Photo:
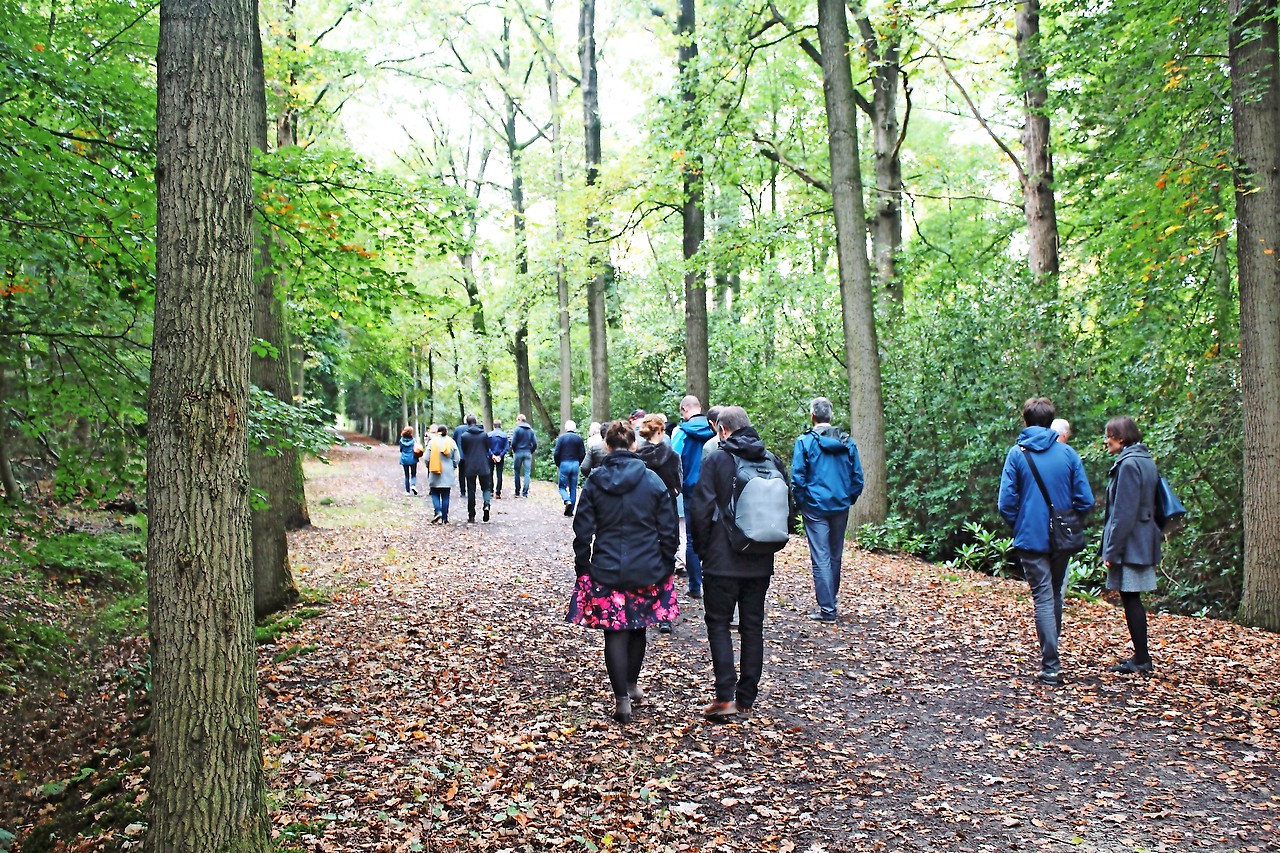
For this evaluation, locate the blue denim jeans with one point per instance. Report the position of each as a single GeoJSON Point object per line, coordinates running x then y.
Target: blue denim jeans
{"type": "Point", "coordinates": [1046, 574]}
{"type": "Point", "coordinates": [521, 468]}
{"type": "Point", "coordinates": [692, 562]}
{"type": "Point", "coordinates": [825, 532]}
{"type": "Point", "coordinates": [440, 502]}
{"type": "Point", "coordinates": [410, 476]}
{"type": "Point", "coordinates": [720, 596]}
{"type": "Point", "coordinates": [568, 481]}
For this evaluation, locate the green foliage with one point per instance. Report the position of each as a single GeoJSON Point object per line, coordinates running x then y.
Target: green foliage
{"type": "Point", "coordinates": [986, 552]}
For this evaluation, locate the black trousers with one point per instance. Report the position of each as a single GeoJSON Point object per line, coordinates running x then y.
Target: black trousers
{"type": "Point", "coordinates": [720, 595]}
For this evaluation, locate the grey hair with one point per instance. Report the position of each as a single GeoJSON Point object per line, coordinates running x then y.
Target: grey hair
{"type": "Point", "coordinates": [821, 409]}
{"type": "Point", "coordinates": [733, 418]}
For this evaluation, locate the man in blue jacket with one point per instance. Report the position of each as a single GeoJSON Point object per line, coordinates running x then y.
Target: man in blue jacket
{"type": "Point", "coordinates": [1023, 506]}
{"type": "Point", "coordinates": [499, 443]}
{"type": "Point", "coordinates": [687, 441]}
{"type": "Point", "coordinates": [524, 441]}
{"type": "Point", "coordinates": [826, 480]}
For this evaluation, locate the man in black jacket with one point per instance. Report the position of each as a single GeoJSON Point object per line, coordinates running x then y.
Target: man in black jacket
{"type": "Point", "coordinates": [730, 579]}
{"type": "Point", "coordinates": [474, 442]}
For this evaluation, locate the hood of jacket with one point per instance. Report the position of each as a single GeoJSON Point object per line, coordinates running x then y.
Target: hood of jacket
{"type": "Point", "coordinates": [657, 454]}
{"type": "Point", "coordinates": [474, 428]}
{"type": "Point", "coordinates": [1037, 438]}
{"type": "Point", "coordinates": [1133, 451]}
{"type": "Point", "coordinates": [619, 473]}
{"type": "Point", "coordinates": [698, 428]}
{"type": "Point", "coordinates": [746, 443]}
{"type": "Point", "coordinates": [831, 439]}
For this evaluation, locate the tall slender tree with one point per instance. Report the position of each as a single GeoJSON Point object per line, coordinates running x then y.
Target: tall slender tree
{"type": "Point", "coordinates": [1255, 101]}
{"type": "Point", "coordinates": [596, 320]}
{"type": "Point", "coordinates": [693, 218]}
{"type": "Point", "coordinates": [861, 350]}
{"type": "Point", "coordinates": [207, 789]}
{"type": "Point", "coordinates": [1037, 182]}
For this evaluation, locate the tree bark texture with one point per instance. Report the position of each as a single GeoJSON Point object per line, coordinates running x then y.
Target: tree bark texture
{"type": "Point", "coordinates": [596, 315]}
{"type": "Point", "coordinates": [1255, 102]}
{"type": "Point", "coordinates": [565, 374]}
{"type": "Point", "coordinates": [206, 786]}
{"type": "Point", "coordinates": [472, 285]}
{"type": "Point", "coordinates": [1037, 188]}
{"type": "Point", "coordinates": [269, 473]}
{"type": "Point", "coordinates": [12, 494]}
{"type": "Point", "coordinates": [862, 355]}
{"type": "Point", "coordinates": [884, 56]}
{"type": "Point", "coordinates": [696, 367]}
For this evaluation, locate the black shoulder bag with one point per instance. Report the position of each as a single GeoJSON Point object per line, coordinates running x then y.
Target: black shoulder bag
{"type": "Point", "coordinates": [1066, 527]}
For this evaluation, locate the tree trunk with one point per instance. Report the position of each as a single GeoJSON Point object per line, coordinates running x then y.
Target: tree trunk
{"type": "Point", "coordinates": [519, 228]}
{"type": "Point", "coordinates": [1037, 189]}
{"type": "Point", "coordinates": [269, 472]}
{"type": "Point", "coordinates": [884, 57]}
{"type": "Point", "coordinates": [862, 355]}
{"type": "Point", "coordinates": [596, 316]}
{"type": "Point", "coordinates": [12, 494]}
{"type": "Point", "coordinates": [206, 787]}
{"type": "Point", "coordinates": [696, 369]}
{"type": "Point", "coordinates": [1255, 102]}
{"type": "Point", "coordinates": [472, 285]}
{"type": "Point", "coordinates": [562, 277]}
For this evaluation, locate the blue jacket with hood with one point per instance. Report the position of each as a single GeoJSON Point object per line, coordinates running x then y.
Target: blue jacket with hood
{"type": "Point", "coordinates": [407, 443]}
{"type": "Point", "coordinates": [1021, 503]}
{"type": "Point", "coordinates": [826, 474]}
{"type": "Point", "coordinates": [687, 441]}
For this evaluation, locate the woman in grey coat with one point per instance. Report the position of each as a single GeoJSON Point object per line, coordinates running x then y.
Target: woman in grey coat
{"type": "Point", "coordinates": [442, 460]}
{"type": "Point", "coordinates": [1130, 535]}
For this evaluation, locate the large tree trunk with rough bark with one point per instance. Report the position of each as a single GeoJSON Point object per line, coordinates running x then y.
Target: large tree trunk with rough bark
{"type": "Point", "coordinates": [565, 372]}
{"type": "Point", "coordinates": [270, 472]}
{"type": "Point", "coordinates": [596, 319]}
{"type": "Point", "coordinates": [206, 785]}
{"type": "Point", "coordinates": [1255, 102]}
{"type": "Point", "coordinates": [12, 494]}
{"type": "Point", "coordinates": [862, 355]}
{"type": "Point", "coordinates": [1037, 188]}
{"type": "Point", "coordinates": [696, 367]}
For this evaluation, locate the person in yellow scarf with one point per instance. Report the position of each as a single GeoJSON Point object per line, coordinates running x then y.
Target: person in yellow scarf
{"type": "Point", "coordinates": [443, 457]}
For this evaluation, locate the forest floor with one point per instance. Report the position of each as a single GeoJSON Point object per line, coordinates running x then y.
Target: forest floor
{"type": "Point", "coordinates": [437, 700]}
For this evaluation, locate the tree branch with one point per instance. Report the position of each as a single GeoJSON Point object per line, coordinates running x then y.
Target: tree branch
{"type": "Point", "coordinates": [1013, 158]}
{"type": "Point", "coordinates": [771, 151]}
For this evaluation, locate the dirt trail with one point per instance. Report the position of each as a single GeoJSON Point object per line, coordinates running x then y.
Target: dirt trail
{"type": "Point", "coordinates": [442, 703]}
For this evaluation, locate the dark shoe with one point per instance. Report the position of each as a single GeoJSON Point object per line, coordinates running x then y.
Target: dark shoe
{"type": "Point", "coordinates": [568, 509]}
{"type": "Point", "coordinates": [819, 616]}
{"type": "Point", "coordinates": [720, 710]}
{"type": "Point", "coordinates": [497, 497]}
{"type": "Point", "coordinates": [680, 572]}
{"type": "Point", "coordinates": [471, 519]}
{"type": "Point", "coordinates": [694, 592]}
{"type": "Point", "coordinates": [622, 710]}
{"type": "Point", "coordinates": [743, 710]}
{"type": "Point", "coordinates": [1053, 679]}
{"type": "Point", "coordinates": [1130, 666]}
{"type": "Point", "coordinates": [635, 694]}
{"type": "Point", "coordinates": [486, 512]}
{"type": "Point", "coordinates": [664, 627]}
{"type": "Point", "coordinates": [438, 518]}
{"type": "Point", "coordinates": [413, 489]}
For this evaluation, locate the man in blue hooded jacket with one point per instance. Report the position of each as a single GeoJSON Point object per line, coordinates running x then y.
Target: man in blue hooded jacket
{"type": "Point", "coordinates": [1023, 506]}
{"type": "Point", "coordinates": [826, 480]}
{"type": "Point", "coordinates": [687, 441]}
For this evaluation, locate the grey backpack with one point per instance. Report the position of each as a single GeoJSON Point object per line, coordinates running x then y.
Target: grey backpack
{"type": "Point", "coordinates": [759, 507]}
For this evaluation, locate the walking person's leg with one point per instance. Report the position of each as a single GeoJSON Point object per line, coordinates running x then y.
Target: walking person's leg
{"type": "Point", "coordinates": [635, 662]}
{"type": "Point", "coordinates": [839, 524]}
{"type": "Point", "coordinates": [617, 658]}
{"type": "Point", "coordinates": [405, 468]}
{"type": "Point", "coordinates": [486, 490]}
{"type": "Point", "coordinates": [413, 478]}
{"type": "Point", "coordinates": [692, 564]}
{"type": "Point", "coordinates": [445, 497]}
{"type": "Point", "coordinates": [573, 483]}
{"type": "Point", "coordinates": [437, 505]}
{"type": "Point", "coordinates": [1039, 574]}
{"type": "Point", "coordinates": [720, 594]}
{"type": "Point", "coordinates": [817, 529]}
{"type": "Point", "coordinates": [1135, 616]}
{"type": "Point", "coordinates": [471, 497]}
{"type": "Point", "coordinates": [751, 599]}
{"type": "Point", "coordinates": [496, 473]}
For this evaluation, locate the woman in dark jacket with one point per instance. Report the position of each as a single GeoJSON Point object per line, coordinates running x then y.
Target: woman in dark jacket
{"type": "Point", "coordinates": [657, 455]}
{"type": "Point", "coordinates": [624, 546]}
{"type": "Point", "coordinates": [1130, 535]}
{"type": "Point", "coordinates": [409, 455]}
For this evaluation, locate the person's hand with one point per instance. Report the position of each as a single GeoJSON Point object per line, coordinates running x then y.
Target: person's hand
{"type": "Point", "coordinates": [1106, 564]}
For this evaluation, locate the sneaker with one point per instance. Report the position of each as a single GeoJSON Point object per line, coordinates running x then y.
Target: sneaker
{"type": "Point", "coordinates": [694, 592]}
{"type": "Point", "coordinates": [568, 509]}
{"type": "Point", "coordinates": [1053, 679]}
{"type": "Point", "coordinates": [819, 616]}
{"type": "Point", "coordinates": [486, 512]}
{"type": "Point", "coordinates": [1130, 666]}
{"type": "Point", "coordinates": [720, 710]}
{"type": "Point", "coordinates": [743, 709]}
{"type": "Point", "coordinates": [413, 489]}
{"type": "Point", "coordinates": [438, 518]}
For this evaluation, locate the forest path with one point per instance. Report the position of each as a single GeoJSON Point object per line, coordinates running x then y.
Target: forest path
{"type": "Point", "coordinates": [441, 702]}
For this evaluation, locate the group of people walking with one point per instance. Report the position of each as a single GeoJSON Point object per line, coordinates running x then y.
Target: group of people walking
{"type": "Point", "coordinates": [740, 502]}
{"type": "Point", "coordinates": [472, 459]}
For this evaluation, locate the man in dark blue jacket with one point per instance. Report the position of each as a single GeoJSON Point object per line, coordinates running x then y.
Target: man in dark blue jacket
{"type": "Point", "coordinates": [524, 441]}
{"type": "Point", "coordinates": [687, 440]}
{"type": "Point", "coordinates": [826, 479]}
{"type": "Point", "coordinates": [1023, 506]}
{"type": "Point", "coordinates": [474, 443]}
{"type": "Point", "coordinates": [498, 444]}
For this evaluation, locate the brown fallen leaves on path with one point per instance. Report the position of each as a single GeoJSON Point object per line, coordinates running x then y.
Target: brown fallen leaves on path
{"type": "Point", "coordinates": [442, 703]}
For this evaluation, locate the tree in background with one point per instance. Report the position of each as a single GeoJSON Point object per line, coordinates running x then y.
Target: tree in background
{"type": "Point", "coordinates": [1255, 101]}
{"type": "Point", "coordinates": [207, 787]}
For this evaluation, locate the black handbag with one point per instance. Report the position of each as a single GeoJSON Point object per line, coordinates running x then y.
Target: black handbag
{"type": "Point", "coordinates": [1066, 527]}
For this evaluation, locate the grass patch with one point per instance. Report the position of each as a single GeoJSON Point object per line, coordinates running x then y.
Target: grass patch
{"type": "Point", "coordinates": [277, 625]}
{"type": "Point", "coordinates": [292, 652]}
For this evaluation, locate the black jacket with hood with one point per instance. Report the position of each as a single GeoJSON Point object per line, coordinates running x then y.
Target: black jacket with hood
{"type": "Point", "coordinates": [473, 441]}
{"type": "Point", "coordinates": [714, 489]}
{"type": "Point", "coordinates": [625, 532]}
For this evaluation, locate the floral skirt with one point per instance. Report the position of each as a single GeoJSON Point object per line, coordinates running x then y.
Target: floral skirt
{"type": "Point", "coordinates": [596, 606]}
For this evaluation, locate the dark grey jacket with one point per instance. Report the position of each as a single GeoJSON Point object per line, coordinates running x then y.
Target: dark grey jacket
{"type": "Point", "coordinates": [1130, 535]}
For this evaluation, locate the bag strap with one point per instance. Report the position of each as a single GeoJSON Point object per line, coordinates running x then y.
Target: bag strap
{"type": "Point", "coordinates": [1034, 473]}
